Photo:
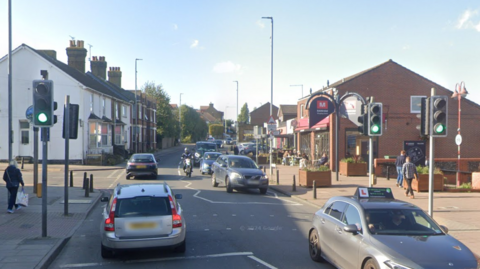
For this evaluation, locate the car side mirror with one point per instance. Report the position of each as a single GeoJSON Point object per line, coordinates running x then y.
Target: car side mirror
{"type": "Point", "coordinates": [104, 199]}
{"type": "Point", "coordinates": [351, 228]}
{"type": "Point", "coordinates": [444, 228]}
{"type": "Point", "coordinates": [260, 167]}
{"type": "Point", "coordinates": [178, 196]}
{"type": "Point", "coordinates": [223, 165]}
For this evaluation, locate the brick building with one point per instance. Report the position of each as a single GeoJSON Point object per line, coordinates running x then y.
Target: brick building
{"type": "Point", "coordinates": [400, 90]}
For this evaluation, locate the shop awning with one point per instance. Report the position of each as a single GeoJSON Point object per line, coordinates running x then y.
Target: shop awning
{"type": "Point", "coordinates": [302, 125]}
{"type": "Point", "coordinates": [284, 136]}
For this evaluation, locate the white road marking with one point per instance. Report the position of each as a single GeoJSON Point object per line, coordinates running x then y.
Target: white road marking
{"type": "Point", "coordinates": [233, 215]}
{"type": "Point", "coordinates": [111, 175]}
{"type": "Point", "coordinates": [214, 215]}
{"type": "Point", "coordinates": [262, 262]}
{"type": "Point", "coordinates": [114, 183]}
{"type": "Point", "coordinates": [206, 230]}
{"type": "Point", "coordinates": [196, 195]}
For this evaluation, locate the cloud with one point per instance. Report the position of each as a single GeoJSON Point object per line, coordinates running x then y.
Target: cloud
{"type": "Point", "coordinates": [466, 20]}
{"type": "Point", "coordinates": [226, 67]}
{"type": "Point", "coordinates": [406, 47]}
{"type": "Point", "coordinates": [194, 44]}
{"type": "Point", "coordinates": [260, 24]}
{"type": "Point", "coordinates": [175, 27]}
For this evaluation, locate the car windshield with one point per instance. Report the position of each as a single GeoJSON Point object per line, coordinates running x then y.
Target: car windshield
{"type": "Point", "coordinates": [206, 147]}
{"type": "Point", "coordinates": [412, 222]}
{"type": "Point", "coordinates": [241, 163]}
{"type": "Point", "coordinates": [211, 156]}
{"type": "Point", "coordinates": [143, 206]}
{"type": "Point", "coordinates": [141, 159]}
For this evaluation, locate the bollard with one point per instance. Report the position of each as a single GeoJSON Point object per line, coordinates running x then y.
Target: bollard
{"type": "Point", "coordinates": [91, 182]}
{"type": "Point", "coordinates": [84, 179]}
{"type": "Point", "coordinates": [264, 169]}
{"type": "Point", "coordinates": [71, 178]}
{"type": "Point", "coordinates": [278, 179]}
{"type": "Point", "coordinates": [388, 172]}
{"type": "Point", "coordinates": [314, 190]}
{"type": "Point", "coordinates": [23, 161]}
{"type": "Point", "coordinates": [86, 187]}
{"type": "Point", "coordinates": [294, 186]}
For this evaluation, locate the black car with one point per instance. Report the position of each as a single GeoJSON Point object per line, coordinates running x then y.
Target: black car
{"type": "Point", "coordinates": [219, 143]}
{"type": "Point", "coordinates": [202, 147]}
{"type": "Point", "coordinates": [238, 172]}
{"type": "Point", "coordinates": [142, 164]}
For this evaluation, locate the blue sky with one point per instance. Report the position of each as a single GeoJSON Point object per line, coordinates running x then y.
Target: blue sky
{"type": "Point", "coordinates": [199, 48]}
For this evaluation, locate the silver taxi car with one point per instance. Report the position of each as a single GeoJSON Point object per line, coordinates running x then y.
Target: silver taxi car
{"type": "Point", "coordinates": [142, 216]}
{"type": "Point", "coordinates": [372, 230]}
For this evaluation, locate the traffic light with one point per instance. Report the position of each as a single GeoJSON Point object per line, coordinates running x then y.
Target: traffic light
{"type": "Point", "coordinates": [362, 119]}
{"type": "Point", "coordinates": [375, 119]}
{"type": "Point", "coordinates": [424, 116]}
{"type": "Point", "coordinates": [43, 106]}
{"type": "Point", "coordinates": [438, 115]}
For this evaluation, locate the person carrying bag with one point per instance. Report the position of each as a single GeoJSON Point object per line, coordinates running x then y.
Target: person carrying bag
{"type": "Point", "coordinates": [13, 177]}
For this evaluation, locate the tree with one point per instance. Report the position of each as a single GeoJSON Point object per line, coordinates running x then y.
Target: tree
{"type": "Point", "coordinates": [244, 114]}
{"type": "Point", "coordinates": [194, 128]}
{"type": "Point", "coordinates": [216, 130]}
{"type": "Point", "coordinates": [167, 124]}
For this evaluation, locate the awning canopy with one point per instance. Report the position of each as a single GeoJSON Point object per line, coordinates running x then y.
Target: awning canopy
{"type": "Point", "coordinates": [302, 125]}
{"type": "Point", "coordinates": [284, 136]}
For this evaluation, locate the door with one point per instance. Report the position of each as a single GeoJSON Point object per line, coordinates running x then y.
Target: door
{"type": "Point", "coordinates": [329, 229]}
{"type": "Point", "coordinates": [348, 244]}
{"type": "Point", "coordinates": [25, 147]}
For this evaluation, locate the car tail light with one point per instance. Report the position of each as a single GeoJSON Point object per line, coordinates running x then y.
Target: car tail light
{"type": "Point", "coordinates": [176, 218]}
{"type": "Point", "coordinates": [110, 222]}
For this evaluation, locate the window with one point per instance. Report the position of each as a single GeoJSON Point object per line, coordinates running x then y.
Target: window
{"type": "Point", "coordinates": [301, 111]}
{"type": "Point", "coordinates": [100, 135]}
{"type": "Point", "coordinates": [352, 216]}
{"type": "Point", "coordinates": [118, 135]}
{"type": "Point", "coordinates": [415, 104]}
{"type": "Point", "coordinates": [91, 102]}
{"type": "Point", "coordinates": [337, 210]}
{"type": "Point", "coordinates": [117, 111]}
{"type": "Point", "coordinates": [25, 135]}
{"type": "Point", "coordinates": [103, 106]}
{"type": "Point", "coordinates": [124, 111]}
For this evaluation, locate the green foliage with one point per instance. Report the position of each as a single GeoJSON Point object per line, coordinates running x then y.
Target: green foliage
{"type": "Point", "coordinates": [321, 168]}
{"type": "Point", "coordinates": [192, 125]}
{"type": "Point", "coordinates": [466, 186]}
{"type": "Point", "coordinates": [167, 123]}
{"type": "Point", "coordinates": [216, 130]}
{"type": "Point", "coordinates": [244, 114]}
{"type": "Point", "coordinates": [355, 159]}
{"type": "Point", "coordinates": [423, 170]}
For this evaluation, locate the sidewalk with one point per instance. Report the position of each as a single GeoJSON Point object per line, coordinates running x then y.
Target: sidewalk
{"type": "Point", "coordinates": [458, 211]}
{"type": "Point", "coordinates": [21, 242]}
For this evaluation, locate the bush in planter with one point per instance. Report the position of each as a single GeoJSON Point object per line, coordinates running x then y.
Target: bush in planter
{"type": "Point", "coordinates": [321, 168]}
{"type": "Point", "coordinates": [421, 183]}
{"type": "Point", "coordinates": [353, 166]}
{"type": "Point", "coordinates": [355, 159]}
{"type": "Point", "coordinates": [321, 174]}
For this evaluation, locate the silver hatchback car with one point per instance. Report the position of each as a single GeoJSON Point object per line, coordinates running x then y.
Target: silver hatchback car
{"type": "Point", "coordinates": [142, 216]}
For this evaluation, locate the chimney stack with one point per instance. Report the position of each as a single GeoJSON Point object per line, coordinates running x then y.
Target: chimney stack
{"type": "Point", "coordinates": [99, 67]}
{"type": "Point", "coordinates": [76, 55]}
{"type": "Point", "coordinates": [115, 76]}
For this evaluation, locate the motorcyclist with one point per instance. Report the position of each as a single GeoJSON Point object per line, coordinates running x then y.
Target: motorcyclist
{"type": "Point", "coordinates": [186, 154]}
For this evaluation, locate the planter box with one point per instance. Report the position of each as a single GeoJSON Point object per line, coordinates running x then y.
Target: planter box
{"type": "Point", "coordinates": [261, 160]}
{"type": "Point", "coordinates": [422, 183]}
{"type": "Point", "coordinates": [322, 178]}
{"type": "Point", "coordinates": [353, 169]}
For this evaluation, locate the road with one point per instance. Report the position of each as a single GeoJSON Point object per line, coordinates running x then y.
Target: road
{"type": "Point", "coordinates": [238, 230]}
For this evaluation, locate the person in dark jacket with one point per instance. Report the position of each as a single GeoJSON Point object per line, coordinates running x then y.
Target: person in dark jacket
{"type": "Point", "coordinates": [399, 164]}
{"type": "Point", "coordinates": [235, 150]}
{"type": "Point", "coordinates": [13, 177]}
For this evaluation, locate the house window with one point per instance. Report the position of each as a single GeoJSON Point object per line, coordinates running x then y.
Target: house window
{"type": "Point", "coordinates": [154, 116]}
{"type": "Point", "coordinates": [117, 111]}
{"type": "Point", "coordinates": [92, 141]}
{"type": "Point", "coordinates": [301, 111]}
{"type": "Point", "coordinates": [99, 135]}
{"type": "Point", "coordinates": [91, 102]}
{"type": "Point", "coordinates": [24, 132]}
{"type": "Point", "coordinates": [103, 106]}
{"type": "Point", "coordinates": [416, 104]}
{"type": "Point", "coordinates": [124, 111]}
{"type": "Point", "coordinates": [118, 135]}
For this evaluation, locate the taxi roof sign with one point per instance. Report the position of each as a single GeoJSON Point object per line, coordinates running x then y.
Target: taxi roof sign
{"type": "Point", "coordinates": [363, 192]}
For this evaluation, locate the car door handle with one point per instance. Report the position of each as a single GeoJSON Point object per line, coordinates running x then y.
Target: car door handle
{"type": "Point", "coordinates": [339, 231]}
{"type": "Point", "coordinates": [322, 220]}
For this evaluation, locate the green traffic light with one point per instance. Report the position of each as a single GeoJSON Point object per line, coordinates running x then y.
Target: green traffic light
{"type": "Point", "coordinates": [374, 129]}
{"type": "Point", "coordinates": [439, 128]}
{"type": "Point", "coordinates": [42, 117]}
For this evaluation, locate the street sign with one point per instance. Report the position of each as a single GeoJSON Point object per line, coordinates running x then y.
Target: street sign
{"type": "Point", "coordinates": [271, 127]}
{"type": "Point", "coordinates": [29, 113]}
{"type": "Point", "coordinates": [276, 132]}
{"type": "Point", "coordinates": [458, 139]}
{"type": "Point", "coordinates": [271, 120]}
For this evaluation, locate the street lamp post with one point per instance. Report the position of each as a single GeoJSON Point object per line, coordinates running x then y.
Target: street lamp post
{"type": "Point", "coordinates": [135, 145]}
{"type": "Point", "coordinates": [298, 85]}
{"type": "Point", "coordinates": [180, 116]}
{"type": "Point", "coordinates": [271, 90]}
{"type": "Point", "coordinates": [236, 118]}
{"type": "Point", "coordinates": [460, 91]}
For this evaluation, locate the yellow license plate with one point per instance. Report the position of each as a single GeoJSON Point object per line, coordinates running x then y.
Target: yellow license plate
{"type": "Point", "coordinates": [142, 225]}
{"type": "Point", "coordinates": [141, 166]}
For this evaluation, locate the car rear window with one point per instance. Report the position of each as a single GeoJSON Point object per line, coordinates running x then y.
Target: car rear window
{"type": "Point", "coordinates": [141, 159]}
{"type": "Point", "coordinates": [143, 206]}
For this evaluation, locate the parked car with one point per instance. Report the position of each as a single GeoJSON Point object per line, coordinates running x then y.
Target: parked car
{"type": "Point", "coordinates": [241, 147]}
{"type": "Point", "coordinates": [210, 139]}
{"type": "Point", "coordinates": [142, 216]}
{"type": "Point", "coordinates": [207, 160]}
{"type": "Point", "coordinates": [228, 141]}
{"type": "Point", "coordinates": [252, 148]}
{"type": "Point", "coordinates": [371, 229]}
{"type": "Point", "coordinates": [219, 143]}
{"type": "Point", "coordinates": [238, 172]}
{"type": "Point", "coordinates": [142, 164]}
{"type": "Point", "coordinates": [200, 149]}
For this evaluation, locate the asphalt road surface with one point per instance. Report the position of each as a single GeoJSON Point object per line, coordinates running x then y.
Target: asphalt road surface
{"type": "Point", "coordinates": [234, 230]}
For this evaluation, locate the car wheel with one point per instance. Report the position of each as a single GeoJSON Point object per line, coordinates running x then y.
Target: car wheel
{"type": "Point", "coordinates": [229, 186]}
{"type": "Point", "coordinates": [106, 253]}
{"type": "Point", "coordinates": [314, 246]}
{"type": "Point", "coordinates": [214, 181]}
{"type": "Point", "coordinates": [127, 177]}
{"type": "Point", "coordinates": [370, 264]}
{"type": "Point", "coordinates": [263, 190]}
{"type": "Point", "coordinates": [182, 247]}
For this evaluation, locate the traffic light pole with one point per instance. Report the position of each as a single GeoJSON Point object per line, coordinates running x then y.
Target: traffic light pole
{"type": "Point", "coordinates": [66, 119]}
{"type": "Point", "coordinates": [44, 179]}
{"type": "Point", "coordinates": [431, 165]}
{"type": "Point", "coordinates": [35, 159]}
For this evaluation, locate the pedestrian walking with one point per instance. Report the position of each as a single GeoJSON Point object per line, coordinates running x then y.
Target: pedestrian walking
{"type": "Point", "coordinates": [13, 177]}
{"type": "Point", "coordinates": [235, 150]}
{"type": "Point", "coordinates": [409, 172]}
{"type": "Point", "coordinates": [399, 164]}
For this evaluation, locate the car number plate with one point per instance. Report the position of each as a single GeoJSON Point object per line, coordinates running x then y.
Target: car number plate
{"type": "Point", "coordinates": [253, 182]}
{"type": "Point", "coordinates": [141, 166]}
{"type": "Point", "coordinates": [142, 225]}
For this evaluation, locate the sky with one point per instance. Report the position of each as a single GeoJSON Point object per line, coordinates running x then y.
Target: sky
{"type": "Point", "coordinates": [199, 48]}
